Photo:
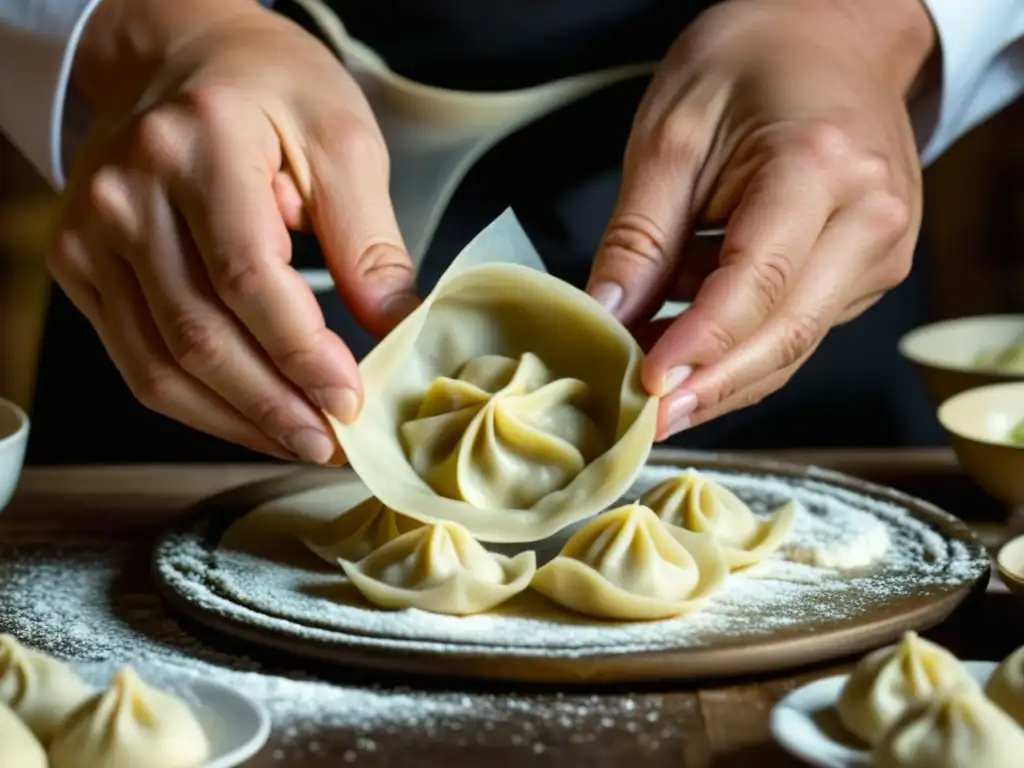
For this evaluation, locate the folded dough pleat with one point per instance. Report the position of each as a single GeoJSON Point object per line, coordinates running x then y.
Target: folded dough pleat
{"type": "Point", "coordinates": [625, 565]}
{"type": "Point", "coordinates": [692, 502]}
{"type": "Point", "coordinates": [506, 447]}
{"type": "Point", "coordinates": [1006, 686]}
{"type": "Point", "coordinates": [439, 568]}
{"type": "Point", "coordinates": [358, 532]}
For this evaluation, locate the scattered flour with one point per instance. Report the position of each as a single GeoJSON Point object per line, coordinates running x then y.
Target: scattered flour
{"type": "Point", "coordinates": [846, 553]}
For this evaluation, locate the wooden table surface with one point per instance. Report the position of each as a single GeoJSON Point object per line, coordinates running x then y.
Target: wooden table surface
{"type": "Point", "coordinates": [720, 724]}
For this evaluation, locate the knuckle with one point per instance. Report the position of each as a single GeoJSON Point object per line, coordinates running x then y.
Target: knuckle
{"type": "Point", "coordinates": [154, 385]}
{"type": "Point", "coordinates": [676, 139]}
{"type": "Point", "coordinates": [158, 136]}
{"type": "Point", "coordinates": [897, 269]}
{"type": "Point", "coordinates": [105, 194]}
{"type": "Point", "coordinates": [268, 414]}
{"type": "Point", "coordinates": [383, 261]}
{"type": "Point", "coordinates": [721, 338]}
{"type": "Point", "coordinates": [238, 278]}
{"type": "Point", "coordinates": [210, 104]}
{"type": "Point", "coordinates": [887, 214]}
{"type": "Point", "coordinates": [873, 170]}
{"type": "Point", "coordinates": [635, 239]}
{"type": "Point", "coordinates": [63, 259]}
{"type": "Point", "coordinates": [350, 140]}
{"type": "Point", "coordinates": [770, 274]}
{"type": "Point", "coordinates": [195, 345]}
{"type": "Point", "coordinates": [826, 142]}
{"type": "Point", "coordinates": [800, 334]}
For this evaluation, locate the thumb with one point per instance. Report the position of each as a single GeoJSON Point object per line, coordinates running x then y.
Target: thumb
{"type": "Point", "coordinates": [354, 219]}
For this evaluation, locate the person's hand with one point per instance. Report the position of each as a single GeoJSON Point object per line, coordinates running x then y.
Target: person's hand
{"type": "Point", "coordinates": [219, 125]}
{"type": "Point", "coordinates": [785, 119]}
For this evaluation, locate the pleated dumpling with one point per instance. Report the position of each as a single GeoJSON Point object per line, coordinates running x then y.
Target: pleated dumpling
{"type": "Point", "coordinates": [358, 532]}
{"type": "Point", "coordinates": [1006, 686]}
{"type": "Point", "coordinates": [503, 432]}
{"type": "Point", "coordinates": [509, 401]}
{"type": "Point", "coordinates": [957, 727]}
{"type": "Point", "coordinates": [625, 565]}
{"type": "Point", "coordinates": [39, 689]}
{"type": "Point", "coordinates": [886, 682]}
{"type": "Point", "coordinates": [439, 568]}
{"type": "Point", "coordinates": [19, 748]}
{"type": "Point", "coordinates": [130, 725]}
{"type": "Point", "coordinates": [695, 503]}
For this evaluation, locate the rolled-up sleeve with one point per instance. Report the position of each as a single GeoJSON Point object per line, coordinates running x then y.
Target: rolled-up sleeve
{"type": "Point", "coordinates": [38, 39]}
{"type": "Point", "coordinates": [982, 69]}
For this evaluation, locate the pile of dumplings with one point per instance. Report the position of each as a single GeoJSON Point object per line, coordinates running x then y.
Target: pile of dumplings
{"type": "Point", "coordinates": [917, 706]}
{"type": "Point", "coordinates": [50, 717]}
{"type": "Point", "coordinates": [659, 557]}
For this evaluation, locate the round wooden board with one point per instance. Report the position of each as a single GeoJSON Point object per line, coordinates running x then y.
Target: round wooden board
{"type": "Point", "coordinates": [871, 629]}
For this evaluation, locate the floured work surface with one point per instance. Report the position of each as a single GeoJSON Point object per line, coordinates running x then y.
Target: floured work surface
{"type": "Point", "coordinates": [860, 565]}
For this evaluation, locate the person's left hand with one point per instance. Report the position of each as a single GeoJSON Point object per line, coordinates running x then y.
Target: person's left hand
{"type": "Point", "coordinates": [787, 120]}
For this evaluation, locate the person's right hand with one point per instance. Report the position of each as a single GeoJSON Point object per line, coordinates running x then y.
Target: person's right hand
{"type": "Point", "coordinates": [218, 126]}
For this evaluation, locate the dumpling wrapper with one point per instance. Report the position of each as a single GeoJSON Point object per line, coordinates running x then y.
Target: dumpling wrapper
{"type": "Point", "coordinates": [356, 533]}
{"type": "Point", "coordinates": [38, 688]}
{"type": "Point", "coordinates": [695, 503]}
{"type": "Point", "coordinates": [439, 568]}
{"type": "Point", "coordinates": [624, 564]}
{"type": "Point", "coordinates": [496, 301]}
{"type": "Point", "coordinates": [19, 747]}
{"type": "Point", "coordinates": [1006, 686]}
{"type": "Point", "coordinates": [957, 727]}
{"type": "Point", "coordinates": [129, 725]}
{"type": "Point", "coordinates": [888, 681]}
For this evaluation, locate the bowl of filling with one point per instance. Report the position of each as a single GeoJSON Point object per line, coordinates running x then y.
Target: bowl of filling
{"type": "Point", "coordinates": [986, 428]}
{"type": "Point", "coordinates": [953, 356]}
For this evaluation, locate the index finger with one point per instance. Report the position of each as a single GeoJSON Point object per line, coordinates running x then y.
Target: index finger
{"type": "Point", "coordinates": [230, 205]}
{"type": "Point", "coordinates": [767, 241]}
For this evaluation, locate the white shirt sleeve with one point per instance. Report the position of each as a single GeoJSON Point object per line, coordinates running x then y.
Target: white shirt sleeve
{"type": "Point", "coordinates": [38, 39]}
{"type": "Point", "coordinates": [982, 49]}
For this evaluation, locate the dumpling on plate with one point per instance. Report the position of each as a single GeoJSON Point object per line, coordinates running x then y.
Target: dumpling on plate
{"type": "Point", "coordinates": [41, 690]}
{"type": "Point", "coordinates": [1006, 686]}
{"type": "Point", "coordinates": [509, 402]}
{"type": "Point", "coordinates": [19, 748]}
{"type": "Point", "coordinates": [694, 502]}
{"type": "Point", "coordinates": [439, 568]}
{"type": "Point", "coordinates": [625, 565]}
{"type": "Point", "coordinates": [887, 681]}
{"type": "Point", "coordinates": [956, 727]}
{"type": "Point", "coordinates": [358, 532]}
{"type": "Point", "coordinates": [129, 725]}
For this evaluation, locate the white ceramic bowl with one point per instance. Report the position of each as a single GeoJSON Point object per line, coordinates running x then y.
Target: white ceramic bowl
{"type": "Point", "coordinates": [944, 352]}
{"type": "Point", "coordinates": [13, 440]}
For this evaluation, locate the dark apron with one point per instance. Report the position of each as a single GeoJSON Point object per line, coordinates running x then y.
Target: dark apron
{"type": "Point", "coordinates": [561, 176]}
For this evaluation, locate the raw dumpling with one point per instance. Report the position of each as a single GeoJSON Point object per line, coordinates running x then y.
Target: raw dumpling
{"type": "Point", "coordinates": [502, 433]}
{"type": "Point", "coordinates": [358, 532]}
{"type": "Point", "coordinates": [695, 503]}
{"type": "Point", "coordinates": [1006, 686]}
{"type": "Point", "coordinates": [624, 564]}
{"type": "Point", "coordinates": [130, 725]}
{"type": "Point", "coordinates": [955, 728]}
{"type": "Point", "coordinates": [890, 679]}
{"type": "Point", "coordinates": [439, 568]}
{"type": "Point", "coordinates": [39, 689]}
{"type": "Point", "coordinates": [509, 402]}
{"type": "Point", "coordinates": [19, 748]}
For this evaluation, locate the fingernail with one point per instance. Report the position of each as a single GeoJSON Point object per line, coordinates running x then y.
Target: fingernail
{"type": "Point", "coordinates": [341, 402]}
{"type": "Point", "coordinates": [609, 295]}
{"type": "Point", "coordinates": [310, 445]}
{"type": "Point", "coordinates": [399, 306]}
{"type": "Point", "coordinates": [674, 377]}
{"type": "Point", "coordinates": [680, 405]}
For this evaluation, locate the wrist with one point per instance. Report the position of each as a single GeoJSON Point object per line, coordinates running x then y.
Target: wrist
{"type": "Point", "coordinates": [126, 41]}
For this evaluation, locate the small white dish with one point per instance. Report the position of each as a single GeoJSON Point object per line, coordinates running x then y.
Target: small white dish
{"type": "Point", "coordinates": [806, 725]}
{"type": "Point", "coordinates": [237, 726]}
{"type": "Point", "coordinates": [13, 440]}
